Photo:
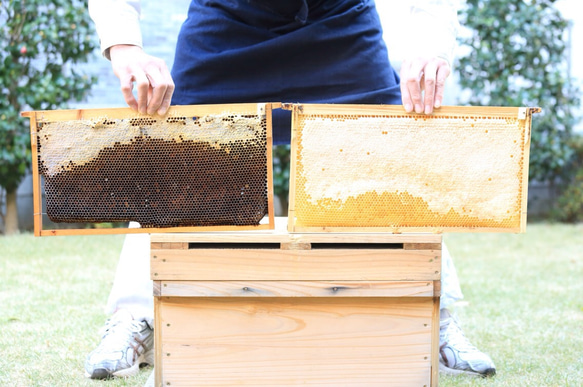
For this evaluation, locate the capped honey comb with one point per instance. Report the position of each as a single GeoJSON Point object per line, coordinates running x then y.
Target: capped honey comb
{"type": "Point", "coordinates": [187, 169]}
{"type": "Point", "coordinates": [378, 168]}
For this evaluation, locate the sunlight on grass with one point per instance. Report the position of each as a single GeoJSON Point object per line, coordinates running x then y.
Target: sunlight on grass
{"type": "Point", "coordinates": [522, 305]}
{"type": "Point", "coordinates": [53, 291]}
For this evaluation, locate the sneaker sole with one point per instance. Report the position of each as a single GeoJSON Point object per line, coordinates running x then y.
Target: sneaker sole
{"type": "Point", "coordinates": [145, 359]}
{"type": "Point", "coordinates": [451, 371]}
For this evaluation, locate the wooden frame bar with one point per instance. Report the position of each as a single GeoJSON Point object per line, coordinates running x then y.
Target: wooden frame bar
{"type": "Point", "coordinates": [36, 183]}
{"type": "Point", "coordinates": [444, 111]}
{"type": "Point", "coordinates": [295, 289]}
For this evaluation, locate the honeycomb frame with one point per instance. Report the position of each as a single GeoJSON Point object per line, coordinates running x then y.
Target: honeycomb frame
{"type": "Point", "coordinates": [375, 168]}
{"type": "Point", "coordinates": [212, 169]}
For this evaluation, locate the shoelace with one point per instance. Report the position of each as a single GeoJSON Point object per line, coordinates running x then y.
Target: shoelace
{"type": "Point", "coordinates": [115, 331]}
{"type": "Point", "coordinates": [456, 338]}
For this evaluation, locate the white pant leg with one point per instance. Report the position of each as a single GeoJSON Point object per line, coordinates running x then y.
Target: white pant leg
{"type": "Point", "coordinates": [132, 286]}
{"type": "Point", "coordinates": [450, 284]}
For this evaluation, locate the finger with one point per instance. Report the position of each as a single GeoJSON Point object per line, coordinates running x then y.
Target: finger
{"type": "Point", "coordinates": [167, 99]}
{"type": "Point", "coordinates": [414, 83]}
{"type": "Point", "coordinates": [157, 89]}
{"type": "Point", "coordinates": [430, 72]}
{"type": "Point", "coordinates": [127, 84]}
{"type": "Point", "coordinates": [405, 95]}
{"type": "Point", "coordinates": [169, 89]}
{"type": "Point", "coordinates": [142, 86]}
{"type": "Point", "coordinates": [443, 72]}
{"type": "Point", "coordinates": [150, 92]}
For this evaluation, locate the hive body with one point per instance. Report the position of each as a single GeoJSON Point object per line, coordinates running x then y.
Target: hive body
{"type": "Point", "coordinates": [273, 308]}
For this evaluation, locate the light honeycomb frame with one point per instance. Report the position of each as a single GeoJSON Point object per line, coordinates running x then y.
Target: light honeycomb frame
{"type": "Point", "coordinates": [375, 168]}
{"type": "Point", "coordinates": [236, 132]}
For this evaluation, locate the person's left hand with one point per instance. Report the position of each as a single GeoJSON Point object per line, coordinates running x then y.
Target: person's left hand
{"type": "Point", "coordinates": [422, 83]}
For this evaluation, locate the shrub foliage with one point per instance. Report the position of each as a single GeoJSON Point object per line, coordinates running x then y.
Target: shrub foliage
{"type": "Point", "coordinates": [40, 43]}
{"type": "Point", "coordinates": [513, 54]}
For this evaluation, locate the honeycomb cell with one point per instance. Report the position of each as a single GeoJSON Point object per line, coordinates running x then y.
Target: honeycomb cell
{"type": "Point", "coordinates": [401, 171]}
{"type": "Point", "coordinates": [181, 171]}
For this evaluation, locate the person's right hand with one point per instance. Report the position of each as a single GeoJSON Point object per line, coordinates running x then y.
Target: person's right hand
{"type": "Point", "coordinates": [153, 80]}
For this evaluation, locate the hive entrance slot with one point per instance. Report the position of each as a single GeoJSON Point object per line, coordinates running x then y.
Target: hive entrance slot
{"type": "Point", "coordinates": [235, 246]}
{"type": "Point", "coordinates": [357, 246]}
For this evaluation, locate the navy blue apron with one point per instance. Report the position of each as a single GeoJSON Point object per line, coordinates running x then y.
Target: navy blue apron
{"type": "Point", "coordinates": [309, 51]}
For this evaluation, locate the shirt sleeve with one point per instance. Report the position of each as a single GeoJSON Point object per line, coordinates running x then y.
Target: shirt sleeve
{"type": "Point", "coordinates": [434, 27]}
{"type": "Point", "coordinates": [116, 22]}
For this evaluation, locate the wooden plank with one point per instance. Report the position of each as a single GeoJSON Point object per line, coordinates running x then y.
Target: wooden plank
{"type": "Point", "coordinates": [176, 110]}
{"type": "Point", "coordinates": [36, 179]}
{"type": "Point", "coordinates": [280, 341]}
{"type": "Point", "coordinates": [269, 134]}
{"type": "Point", "coordinates": [296, 245]}
{"type": "Point", "coordinates": [295, 288]}
{"type": "Point", "coordinates": [525, 166]}
{"type": "Point", "coordinates": [169, 245]}
{"type": "Point", "coordinates": [157, 288]}
{"type": "Point", "coordinates": [150, 230]}
{"type": "Point", "coordinates": [158, 342]}
{"type": "Point", "coordinates": [280, 235]}
{"type": "Point", "coordinates": [437, 288]}
{"type": "Point", "coordinates": [422, 246]}
{"type": "Point", "coordinates": [292, 170]}
{"type": "Point", "coordinates": [435, 340]}
{"type": "Point", "coordinates": [297, 239]}
{"type": "Point", "coordinates": [444, 111]}
{"type": "Point", "coordinates": [296, 265]}
{"type": "Point", "coordinates": [399, 230]}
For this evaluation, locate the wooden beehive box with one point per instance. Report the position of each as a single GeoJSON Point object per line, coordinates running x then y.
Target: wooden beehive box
{"type": "Point", "coordinates": [370, 167]}
{"type": "Point", "coordinates": [199, 167]}
{"type": "Point", "coordinates": [271, 308]}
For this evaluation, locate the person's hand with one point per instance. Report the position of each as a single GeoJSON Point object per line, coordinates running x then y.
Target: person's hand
{"type": "Point", "coordinates": [150, 74]}
{"type": "Point", "coordinates": [422, 83]}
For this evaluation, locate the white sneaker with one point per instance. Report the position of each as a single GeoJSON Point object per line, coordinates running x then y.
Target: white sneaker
{"type": "Point", "coordinates": [456, 354]}
{"type": "Point", "coordinates": [126, 344]}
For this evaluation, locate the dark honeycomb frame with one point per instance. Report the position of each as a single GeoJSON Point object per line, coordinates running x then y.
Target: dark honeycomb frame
{"type": "Point", "coordinates": [198, 168]}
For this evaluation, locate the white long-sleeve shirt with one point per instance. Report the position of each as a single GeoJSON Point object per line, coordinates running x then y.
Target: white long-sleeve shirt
{"type": "Point", "coordinates": [432, 28]}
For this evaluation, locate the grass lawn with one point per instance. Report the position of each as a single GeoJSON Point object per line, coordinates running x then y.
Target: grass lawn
{"type": "Point", "coordinates": [523, 305]}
